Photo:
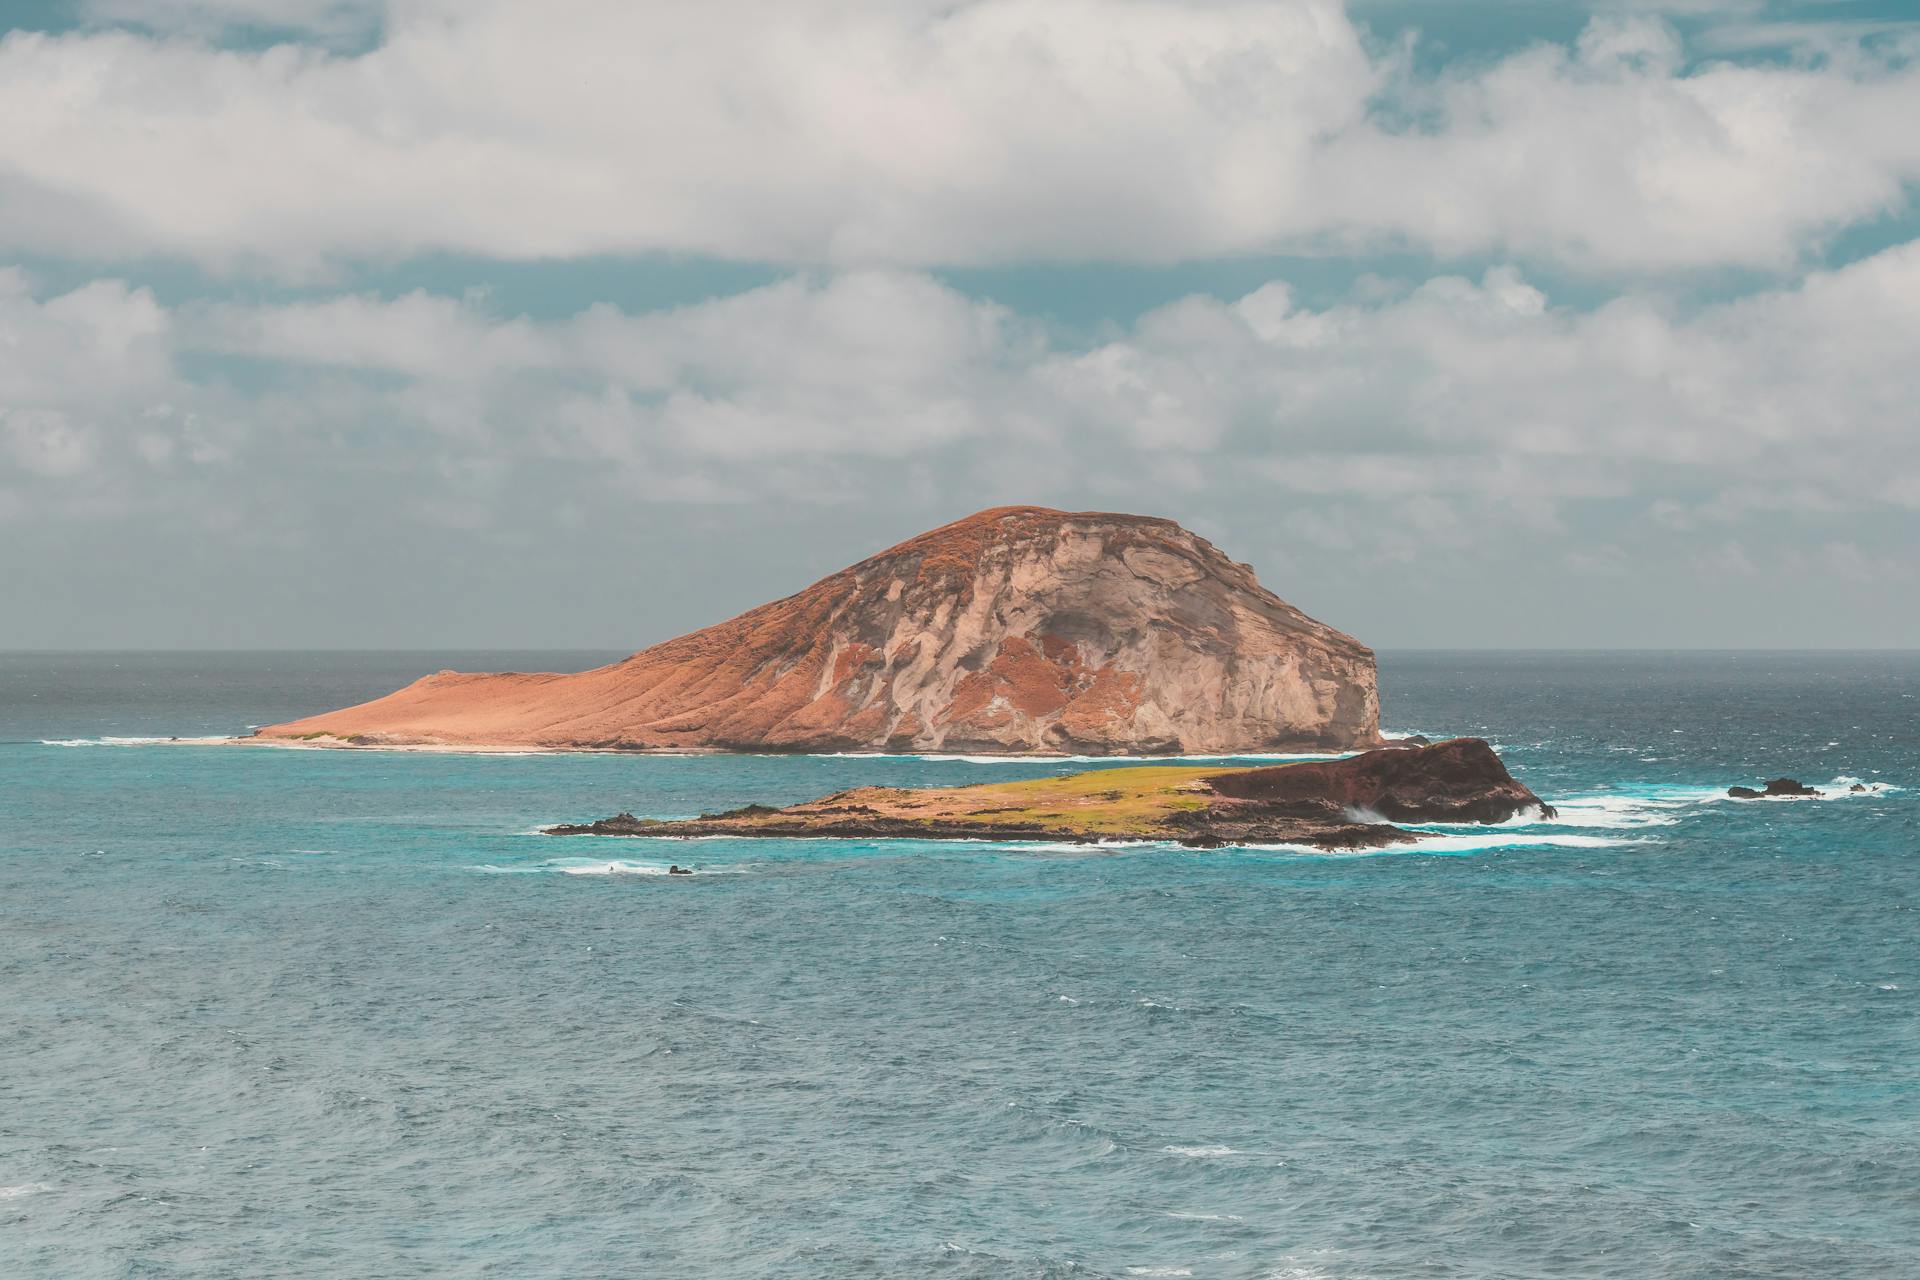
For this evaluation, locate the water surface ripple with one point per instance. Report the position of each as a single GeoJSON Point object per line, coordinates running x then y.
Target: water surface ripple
{"type": "Point", "coordinates": [341, 1014]}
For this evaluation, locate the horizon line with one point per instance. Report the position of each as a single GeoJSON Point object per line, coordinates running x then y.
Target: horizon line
{"type": "Point", "coordinates": [628, 649]}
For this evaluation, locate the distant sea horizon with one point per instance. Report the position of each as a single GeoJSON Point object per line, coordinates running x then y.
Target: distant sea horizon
{"type": "Point", "coordinates": [558, 649]}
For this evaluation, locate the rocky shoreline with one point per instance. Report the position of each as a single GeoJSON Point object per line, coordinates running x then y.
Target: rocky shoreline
{"type": "Point", "coordinates": [1350, 803]}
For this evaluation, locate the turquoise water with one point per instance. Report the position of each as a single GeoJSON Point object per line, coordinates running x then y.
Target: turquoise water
{"type": "Point", "coordinates": [278, 1012]}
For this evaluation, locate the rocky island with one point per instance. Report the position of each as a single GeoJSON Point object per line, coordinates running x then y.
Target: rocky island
{"type": "Point", "coordinates": [1018, 630]}
{"type": "Point", "coordinates": [1332, 804]}
{"type": "Point", "coordinates": [1777, 789]}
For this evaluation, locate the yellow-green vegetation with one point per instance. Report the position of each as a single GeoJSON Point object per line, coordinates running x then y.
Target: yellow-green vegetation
{"type": "Point", "coordinates": [1107, 801]}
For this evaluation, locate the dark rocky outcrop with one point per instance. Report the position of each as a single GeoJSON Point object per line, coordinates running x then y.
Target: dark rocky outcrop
{"type": "Point", "coordinates": [620, 824]}
{"type": "Point", "coordinates": [1778, 788]}
{"type": "Point", "coordinates": [1461, 780]}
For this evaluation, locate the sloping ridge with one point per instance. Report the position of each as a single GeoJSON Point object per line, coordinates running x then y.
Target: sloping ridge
{"type": "Point", "coordinates": [1015, 630]}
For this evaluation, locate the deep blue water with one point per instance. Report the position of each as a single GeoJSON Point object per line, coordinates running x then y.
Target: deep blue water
{"type": "Point", "coordinates": [280, 1012]}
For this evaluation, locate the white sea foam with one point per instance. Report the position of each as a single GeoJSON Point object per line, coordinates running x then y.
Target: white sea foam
{"type": "Point", "coordinates": [1203, 1217]}
{"type": "Point", "coordinates": [289, 744]}
{"type": "Point", "coordinates": [1159, 1271]}
{"type": "Point", "coordinates": [1840, 788]}
{"type": "Point", "coordinates": [281, 744]}
{"type": "Point", "coordinates": [1051, 759]}
{"type": "Point", "coordinates": [610, 869]}
{"type": "Point", "coordinates": [1452, 841]}
{"type": "Point", "coordinates": [1076, 846]}
{"type": "Point", "coordinates": [1611, 812]}
{"type": "Point", "coordinates": [1199, 1153]}
{"type": "Point", "coordinates": [23, 1189]}
{"type": "Point", "coordinates": [1496, 839]}
{"type": "Point", "coordinates": [1297, 1270]}
{"type": "Point", "coordinates": [1442, 838]}
{"type": "Point", "coordinates": [111, 741]}
{"type": "Point", "coordinates": [617, 867]}
{"type": "Point", "coordinates": [1661, 805]}
{"type": "Point", "coordinates": [1602, 812]}
{"type": "Point", "coordinates": [602, 867]}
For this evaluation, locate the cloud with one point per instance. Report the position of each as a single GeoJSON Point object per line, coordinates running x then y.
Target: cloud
{"type": "Point", "coordinates": [1828, 39]}
{"type": "Point", "coordinates": [333, 22]}
{"type": "Point", "coordinates": [1404, 429]}
{"type": "Point", "coordinates": [74, 369]}
{"type": "Point", "coordinates": [98, 424]}
{"type": "Point", "coordinates": [915, 133]}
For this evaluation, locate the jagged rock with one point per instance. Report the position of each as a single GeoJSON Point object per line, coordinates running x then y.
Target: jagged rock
{"type": "Point", "coordinates": [620, 824]}
{"type": "Point", "coordinates": [1776, 789]}
{"type": "Point", "coordinates": [1462, 780]}
{"type": "Point", "coordinates": [1016, 630]}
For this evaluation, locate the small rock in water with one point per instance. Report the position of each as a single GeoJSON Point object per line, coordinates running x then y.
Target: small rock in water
{"type": "Point", "coordinates": [677, 870]}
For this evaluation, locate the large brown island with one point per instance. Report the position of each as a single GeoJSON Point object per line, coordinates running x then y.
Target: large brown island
{"type": "Point", "coordinates": [1016, 631]}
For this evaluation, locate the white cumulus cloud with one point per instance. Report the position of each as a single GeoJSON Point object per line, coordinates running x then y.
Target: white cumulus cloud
{"type": "Point", "coordinates": [1479, 393]}
{"type": "Point", "coordinates": [910, 133]}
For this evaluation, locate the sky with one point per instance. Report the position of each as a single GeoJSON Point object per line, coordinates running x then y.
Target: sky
{"type": "Point", "coordinates": [584, 323]}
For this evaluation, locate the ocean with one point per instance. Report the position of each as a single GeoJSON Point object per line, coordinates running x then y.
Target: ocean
{"type": "Point", "coordinates": [277, 1012]}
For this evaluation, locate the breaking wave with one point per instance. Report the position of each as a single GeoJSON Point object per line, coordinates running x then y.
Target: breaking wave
{"type": "Point", "coordinates": [110, 741]}
{"type": "Point", "coordinates": [603, 867]}
{"type": "Point", "coordinates": [1050, 759]}
{"type": "Point", "coordinates": [1652, 806]}
{"type": "Point", "coordinates": [1484, 840]}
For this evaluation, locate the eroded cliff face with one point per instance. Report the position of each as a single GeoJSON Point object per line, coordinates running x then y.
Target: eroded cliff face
{"type": "Point", "coordinates": [1016, 630]}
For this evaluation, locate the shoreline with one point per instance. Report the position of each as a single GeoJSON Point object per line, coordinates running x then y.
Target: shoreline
{"type": "Point", "coordinates": [1346, 803]}
{"type": "Point", "coordinates": [508, 749]}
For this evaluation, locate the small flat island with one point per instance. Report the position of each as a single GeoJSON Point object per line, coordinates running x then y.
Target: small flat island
{"type": "Point", "coordinates": [1350, 803]}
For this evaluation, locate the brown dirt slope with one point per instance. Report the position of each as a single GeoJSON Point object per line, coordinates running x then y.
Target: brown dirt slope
{"type": "Point", "coordinates": [1016, 630]}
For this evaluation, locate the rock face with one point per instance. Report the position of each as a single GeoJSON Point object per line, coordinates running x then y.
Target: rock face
{"type": "Point", "coordinates": [1462, 780]}
{"type": "Point", "coordinates": [1336, 804]}
{"type": "Point", "coordinates": [1016, 630]}
{"type": "Point", "coordinates": [1778, 788]}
